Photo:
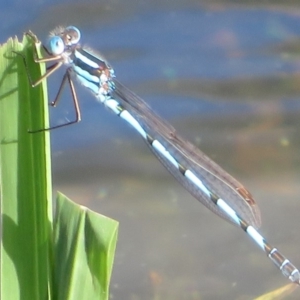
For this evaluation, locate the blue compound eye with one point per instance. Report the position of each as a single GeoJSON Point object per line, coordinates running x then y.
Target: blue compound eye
{"type": "Point", "coordinates": [72, 35]}
{"type": "Point", "coordinates": [56, 45]}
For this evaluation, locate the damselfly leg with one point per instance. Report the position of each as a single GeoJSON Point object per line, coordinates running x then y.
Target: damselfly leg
{"type": "Point", "coordinates": [58, 60]}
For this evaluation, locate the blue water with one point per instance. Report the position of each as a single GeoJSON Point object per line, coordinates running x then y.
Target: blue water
{"type": "Point", "coordinates": [226, 77]}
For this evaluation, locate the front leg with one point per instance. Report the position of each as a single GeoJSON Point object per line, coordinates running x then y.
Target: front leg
{"type": "Point", "coordinates": [57, 59]}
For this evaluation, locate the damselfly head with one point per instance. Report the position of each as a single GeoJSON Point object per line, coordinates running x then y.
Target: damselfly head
{"type": "Point", "coordinates": [62, 39]}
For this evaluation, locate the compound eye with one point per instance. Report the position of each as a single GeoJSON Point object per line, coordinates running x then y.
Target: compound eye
{"type": "Point", "coordinates": [56, 45]}
{"type": "Point", "coordinates": [72, 35]}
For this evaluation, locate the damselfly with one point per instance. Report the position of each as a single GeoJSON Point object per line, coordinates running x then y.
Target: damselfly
{"type": "Point", "coordinates": [202, 177]}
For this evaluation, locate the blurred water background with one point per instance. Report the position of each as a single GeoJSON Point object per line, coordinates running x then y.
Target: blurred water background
{"type": "Point", "coordinates": [226, 75]}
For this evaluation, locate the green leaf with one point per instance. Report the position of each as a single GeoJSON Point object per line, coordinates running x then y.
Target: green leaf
{"type": "Point", "coordinates": [79, 264]}
{"type": "Point", "coordinates": [85, 243]}
{"type": "Point", "coordinates": [25, 178]}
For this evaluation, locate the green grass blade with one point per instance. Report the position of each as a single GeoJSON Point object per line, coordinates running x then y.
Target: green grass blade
{"type": "Point", "coordinates": [25, 179]}
{"type": "Point", "coordinates": [85, 243]}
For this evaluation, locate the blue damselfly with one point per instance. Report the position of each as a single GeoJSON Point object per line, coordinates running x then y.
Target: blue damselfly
{"type": "Point", "coordinates": [201, 176]}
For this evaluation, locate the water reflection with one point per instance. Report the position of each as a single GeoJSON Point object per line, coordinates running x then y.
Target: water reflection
{"type": "Point", "coordinates": [242, 89]}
